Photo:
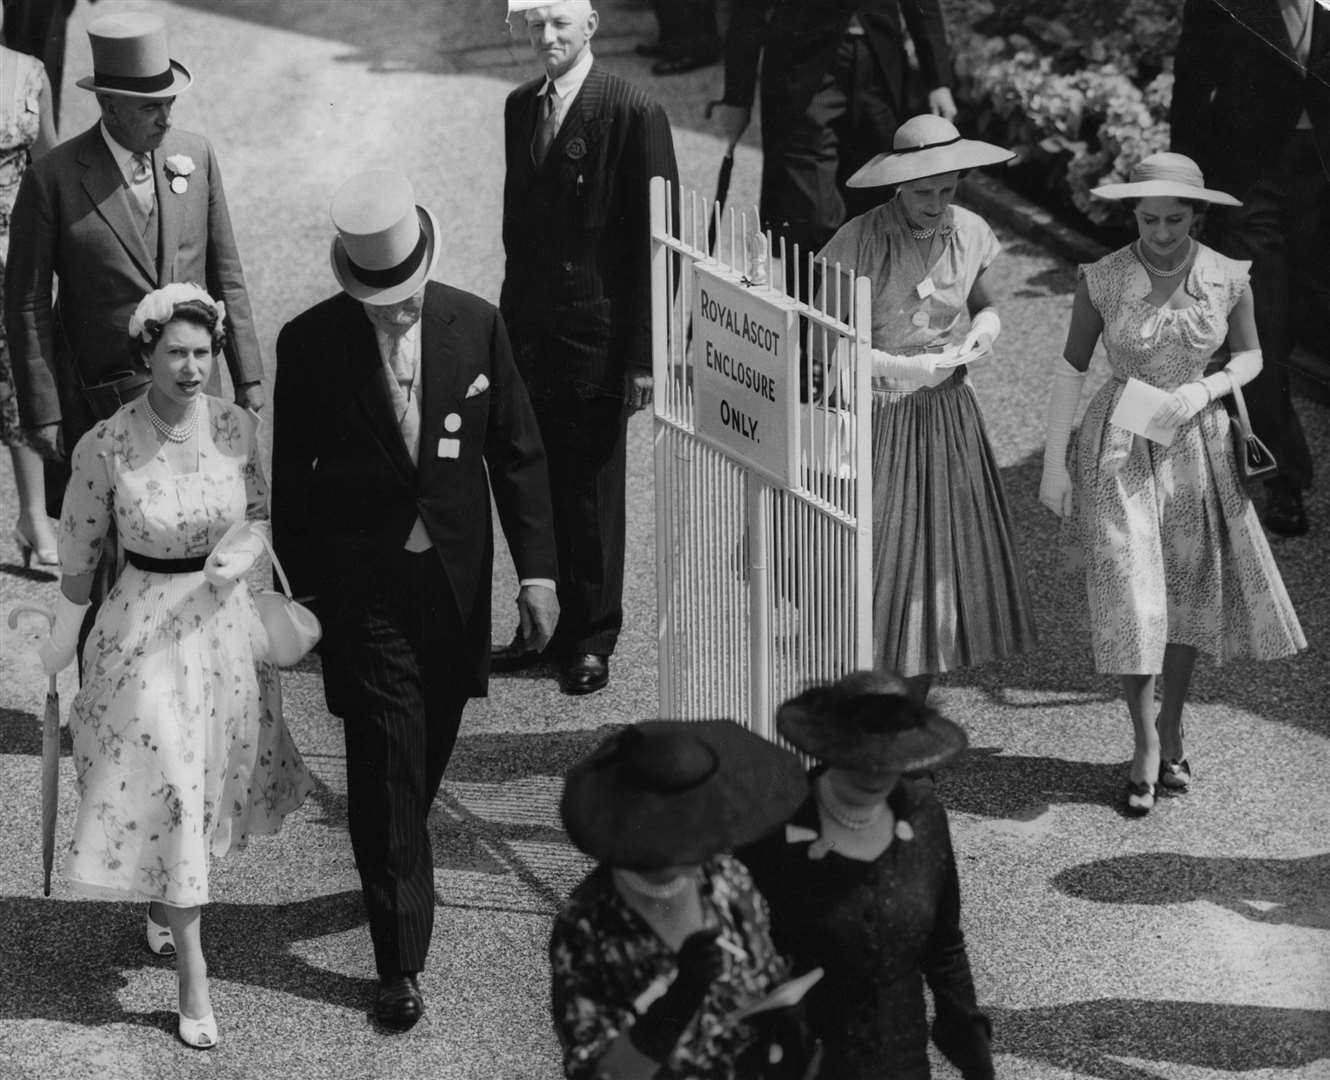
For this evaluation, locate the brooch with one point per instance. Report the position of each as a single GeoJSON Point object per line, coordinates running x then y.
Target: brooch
{"type": "Point", "coordinates": [576, 149]}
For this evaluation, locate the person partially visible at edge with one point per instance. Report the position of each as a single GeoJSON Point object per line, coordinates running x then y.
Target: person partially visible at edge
{"type": "Point", "coordinates": [399, 416]}
{"type": "Point", "coordinates": [581, 148]}
{"type": "Point", "coordinates": [862, 882]}
{"type": "Point", "coordinates": [949, 586]}
{"type": "Point", "coordinates": [1251, 106]}
{"type": "Point", "coordinates": [180, 747]}
{"type": "Point", "coordinates": [1176, 562]}
{"type": "Point", "coordinates": [665, 940]}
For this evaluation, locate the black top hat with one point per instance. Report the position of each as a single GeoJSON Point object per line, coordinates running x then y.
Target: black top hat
{"type": "Point", "coordinates": [675, 792]}
{"type": "Point", "coordinates": [866, 722]}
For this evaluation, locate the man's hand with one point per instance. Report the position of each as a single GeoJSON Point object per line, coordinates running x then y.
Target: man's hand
{"type": "Point", "coordinates": [48, 440]}
{"type": "Point", "coordinates": [733, 120]}
{"type": "Point", "coordinates": [637, 391]}
{"type": "Point", "coordinates": [941, 103]}
{"type": "Point", "coordinates": [251, 396]}
{"type": "Point", "coordinates": [538, 612]}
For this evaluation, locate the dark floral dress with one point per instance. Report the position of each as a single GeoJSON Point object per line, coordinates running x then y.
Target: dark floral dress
{"type": "Point", "coordinates": [607, 966]}
{"type": "Point", "coordinates": [880, 929]}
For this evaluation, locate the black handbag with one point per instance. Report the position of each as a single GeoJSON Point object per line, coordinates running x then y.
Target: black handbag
{"type": "Point", "coordinates": [1254, 459]}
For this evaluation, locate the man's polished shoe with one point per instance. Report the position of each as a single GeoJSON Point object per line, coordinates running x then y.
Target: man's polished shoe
{"type": "Point", "coordinates": [515, 656]}
{"type": "Point", "coordinates": [1284, 512]}
{"type": "Point", "coordinates": [677, 65]}
{"type": "Point", "coordinates": [585, 674]}
{"type": "Point", "coordinates": [398, 1002]}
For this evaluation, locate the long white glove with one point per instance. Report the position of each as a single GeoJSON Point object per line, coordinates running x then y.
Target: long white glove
{"type": "Point", "coordinates": [235, 554]}
{"type": "Point", "coordinates": [984, 330]}
{"type": "Point", "coordinates": [908, 372]}
{"type": "Point", "coordinates": [1190, 398]}
{"type": "Point", "coordinates": [1055, 489]}
{"type": "Point", "coordinates": [57, 652]}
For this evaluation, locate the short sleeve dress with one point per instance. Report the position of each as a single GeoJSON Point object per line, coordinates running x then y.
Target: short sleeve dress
{"type": "Point", "coordinates": [949, 586]}
{"type": "Point", "coordinates": [1173, 549]}
{"type": "Point", "coordinates": [607, 965]}
{"type": "Point", "coordinates": [180, 748]}
{"type": "Point", "coordinates": [20, 118]}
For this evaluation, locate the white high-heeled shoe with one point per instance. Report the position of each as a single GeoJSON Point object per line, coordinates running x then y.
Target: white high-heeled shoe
{"type": "Point", "coordinates": [159, 937]}
{"type": "Point", "coordinates": [201, 1034]}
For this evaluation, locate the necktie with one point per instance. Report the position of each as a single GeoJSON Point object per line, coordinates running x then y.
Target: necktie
{"type": "Point", "coordinates": [405, 402]}
{"type": "Point", "coordinates": [546, 129]}
{"type": "Point", "coordinates": [140, 182]}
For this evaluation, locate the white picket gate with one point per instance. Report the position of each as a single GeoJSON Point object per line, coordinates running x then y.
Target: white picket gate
{"type": "Point", "coordinates": [763, 558]}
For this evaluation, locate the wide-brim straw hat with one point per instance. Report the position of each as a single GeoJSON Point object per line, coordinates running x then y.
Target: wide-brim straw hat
{"type": "Point", "coordinates": [673, 793]}
{"type": "Point", "coordinates": [927, 146]}
{"type": "Point", "coordinates": [129, 58]}
{"type": "Point", "coordinates": [866, 722]}
{"type": "Point", "coordinates": [1166, 175]}
{"type": "Point", "coordinates": [386, 245]}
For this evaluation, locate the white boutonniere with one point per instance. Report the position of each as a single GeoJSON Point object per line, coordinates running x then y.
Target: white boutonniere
{"type": "Point", "coordinates": [178, 167]}
{"type": "Point", "coordinates": [478, 386]}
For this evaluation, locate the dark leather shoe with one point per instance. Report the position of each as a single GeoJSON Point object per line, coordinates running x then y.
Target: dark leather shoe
{"type": "Point", "coordinates": [514, 656]}
{"type": "Point", "coordinates": [1284, 512]}
{"type": "Point", "coordinates": [585, 674]}
{"type": "Point", "coordinates": [677, 65]}
{"type": "Point", "coordinates": [398, 1003]}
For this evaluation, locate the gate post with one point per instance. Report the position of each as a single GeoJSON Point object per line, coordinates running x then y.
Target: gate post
{"type": "Point", "coordinates": [759, 614]}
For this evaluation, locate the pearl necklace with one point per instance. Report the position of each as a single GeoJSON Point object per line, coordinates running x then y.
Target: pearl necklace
{"type": "Point", "coordinates": [922, 234]}
{"type": "Point", "coordinates": [666, 890]}
{"type": "Point", "coordinates": [841, 814]}
{"type": "Point", "coordinates": [1140, 254]}
{"type": "Point", "coordinates": [174, 434]}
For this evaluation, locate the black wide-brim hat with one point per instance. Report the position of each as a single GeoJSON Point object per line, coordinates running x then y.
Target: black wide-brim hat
{"type": "Point", "coordinates": [866, 722]}
{"type": "Point", "coordinates": [676, 792]}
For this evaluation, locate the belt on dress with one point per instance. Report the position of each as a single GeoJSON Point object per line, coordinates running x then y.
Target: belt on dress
{"type": "Point", "coordinates": [165, 566]}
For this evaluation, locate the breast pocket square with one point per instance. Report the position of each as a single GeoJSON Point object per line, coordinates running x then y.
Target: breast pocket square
{"type": "Point", "coordinates": [478, 386]}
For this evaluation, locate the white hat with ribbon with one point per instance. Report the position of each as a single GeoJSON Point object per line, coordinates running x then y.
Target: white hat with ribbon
{"type": "Point", "coordinates": [923, 146]}
{"type": "Point", "coordinates": [1169, 175]}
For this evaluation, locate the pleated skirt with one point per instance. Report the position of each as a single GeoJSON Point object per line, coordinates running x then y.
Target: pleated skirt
{"type": "Point", "coordinates": [949, 586]}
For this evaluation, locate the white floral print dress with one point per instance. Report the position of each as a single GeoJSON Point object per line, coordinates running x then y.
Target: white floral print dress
{"type": "Point", "coordinates": [180, 748]}
{"type": "Point", "coordinates": [1173, 549]}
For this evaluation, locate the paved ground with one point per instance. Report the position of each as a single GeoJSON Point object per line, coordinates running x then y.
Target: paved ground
{"type": "Point", "coordinates": [1191, 945]}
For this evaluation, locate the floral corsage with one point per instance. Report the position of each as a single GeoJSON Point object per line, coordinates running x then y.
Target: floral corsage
{"type": "Point", "coordinates": [158, 308]}
{"type": "Point", "coordinates": [178, 167]}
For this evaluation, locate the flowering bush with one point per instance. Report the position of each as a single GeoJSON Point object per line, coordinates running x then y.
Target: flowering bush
{"type": "Point", "coordinates": [1080, 89]}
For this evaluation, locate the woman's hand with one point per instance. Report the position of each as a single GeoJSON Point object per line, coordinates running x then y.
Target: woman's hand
{"type": "Point", "coordinates": [1187, 400]}
{"type": "Point", "coordinates": [1055, 490]}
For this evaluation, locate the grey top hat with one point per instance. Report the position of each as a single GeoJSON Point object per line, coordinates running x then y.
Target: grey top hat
{"type": "Point", "coordinates": [386, 246]}
{"type": "Point", "coordinates": [129, 58]}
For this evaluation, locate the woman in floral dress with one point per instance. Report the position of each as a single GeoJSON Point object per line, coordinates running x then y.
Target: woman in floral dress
{"type": "Point", "coordinates": [180, 748]}
{"type": "Point", "coordinates": [664, 940]}
{"type": "Point", "coordinates": [1176, 561]}
{"type": "Point", "coordinates": [27, 130]}
{"type": "Point", "coordinates": [949, 587]}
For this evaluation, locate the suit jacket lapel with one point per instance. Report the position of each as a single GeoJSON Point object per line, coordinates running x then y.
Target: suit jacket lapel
{"type": "Point", "coordinates": [442, 372]}
{"type": "Point", "coordinates": [170, 210]}
{"type": "Point", "coordinates": [365, 370]}
{"type": "Point", "coordinates": [105, 187]}
{"type": "Point", "coordinates": [583, 119]}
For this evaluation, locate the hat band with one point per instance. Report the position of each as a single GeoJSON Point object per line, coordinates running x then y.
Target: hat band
{"type": "Point", "coordinates": [393, 275]}
{"type": "Point", "coordinates": [928, 146]}
{"type": "Point", "coordinates": [140, 84]}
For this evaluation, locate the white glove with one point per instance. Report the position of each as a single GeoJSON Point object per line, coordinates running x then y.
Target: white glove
{"type": "Point", "coordinates": [909, 372]}
{"type": "Point", "coordinates": [1055, 489]}
{"type": "Point", "coordinates": [1186, 401]}
{"type": "Point", "coordinates": [1241, 368]}
{"type": "Point", "coordinates": [235, 554]}
{"type": "Point", "coordinates": [57, 652]}
{"type": "Point", "coordinates": [984, 330]}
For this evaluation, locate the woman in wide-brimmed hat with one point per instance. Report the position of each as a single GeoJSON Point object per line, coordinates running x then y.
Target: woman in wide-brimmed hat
{"type": "Point", "coordinates": [666, 938]}
{"type": "Point", "coordinates": [862, 882]}
{"type": "Point", "coordinates": [948, 583]}
{"type": "Point", "coordinates": [1175, 558]}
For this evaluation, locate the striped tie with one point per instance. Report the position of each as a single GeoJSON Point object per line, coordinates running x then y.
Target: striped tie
{"type": "Point", "coordinates": [545, 130]}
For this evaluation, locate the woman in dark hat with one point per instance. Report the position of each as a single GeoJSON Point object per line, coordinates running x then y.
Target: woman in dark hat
{"type": "Point", "coordinates": [862, 882]}
{"type": "Point", "coordinates": [666, 938]}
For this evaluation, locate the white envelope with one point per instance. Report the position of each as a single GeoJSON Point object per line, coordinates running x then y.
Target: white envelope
{"type": "Point", "coordinates": [1136, 409]}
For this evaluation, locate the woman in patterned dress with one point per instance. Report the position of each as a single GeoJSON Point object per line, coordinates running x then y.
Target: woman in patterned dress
{"type": "Point", "coordinates": [180, 748]}
{"type": "Point", "coordinates": [662, 942]}
{"type": "Point", "coordinates": [949, 587]}
{"type": "Point", "coordinates": [862, 882]}
{"type": "Point", "coordinates": [27, 131]}
{"type": "Point", "coordinates": [1176, 561]}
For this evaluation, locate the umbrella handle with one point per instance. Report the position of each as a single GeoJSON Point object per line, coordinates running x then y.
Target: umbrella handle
{"type": "Point", "coordinates": [30, 609]}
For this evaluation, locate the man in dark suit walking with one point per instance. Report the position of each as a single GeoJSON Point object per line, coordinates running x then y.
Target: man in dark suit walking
{"type": "Point", "coordinates": [582, 146]}
{"type": "Point", "coordinates": [1251, 106]}
{"type": "Point", "coordinates": [835, 86]}
{"type": "Point", "coordinates": [398, 412]}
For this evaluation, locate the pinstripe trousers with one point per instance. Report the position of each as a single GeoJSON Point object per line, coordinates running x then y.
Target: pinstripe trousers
{"type": "Point", "coordinates": [400, 656]}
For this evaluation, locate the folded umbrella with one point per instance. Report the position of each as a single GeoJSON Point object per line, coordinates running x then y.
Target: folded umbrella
{"type": "Point", "coordinates": [722, 185]}
{"type": "Point", "coordinates": [50, 753]}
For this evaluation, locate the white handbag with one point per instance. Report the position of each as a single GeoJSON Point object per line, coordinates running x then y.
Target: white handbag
{"type": "Point", "coordinates": [291, 627]}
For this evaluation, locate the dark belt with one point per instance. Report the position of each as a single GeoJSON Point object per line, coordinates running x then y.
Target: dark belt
{"type": "Point", "coordinates": [165, 566]}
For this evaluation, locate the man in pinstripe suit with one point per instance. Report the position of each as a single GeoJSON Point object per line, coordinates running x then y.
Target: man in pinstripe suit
{"type": "Point", "coordinates": [582, 146]}
{"type": "Point", "coordinates": [398, 412]}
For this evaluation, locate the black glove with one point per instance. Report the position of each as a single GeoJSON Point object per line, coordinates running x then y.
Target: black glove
{"type": "Point", "coordinates": [701, 960]}
{"type": "Point", "coordinates": [785, 1049]}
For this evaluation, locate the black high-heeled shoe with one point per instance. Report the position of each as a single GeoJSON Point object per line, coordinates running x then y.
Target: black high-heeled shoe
{"type": "Point", "coordinates": [1175, 775]}
{"type": "Point", "coordinates": [1140, 797]}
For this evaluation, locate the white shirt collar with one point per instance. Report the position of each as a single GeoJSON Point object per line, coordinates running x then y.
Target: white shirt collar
{"type": "Point", "coordinates": [570, 82]}
{"type": "Point", "coordinates": [123, 158]}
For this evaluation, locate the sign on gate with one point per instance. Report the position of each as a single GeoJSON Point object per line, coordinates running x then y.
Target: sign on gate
{"type": "Point", "coordinates": [746, 378]}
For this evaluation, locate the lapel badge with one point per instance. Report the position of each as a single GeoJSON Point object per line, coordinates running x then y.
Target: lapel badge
{"type": "Point", "coordinates": [478, 386]}
{"type": "Point", "coordinates": [450, 448]}
{"type": "Point", "coordinates": [451, 423]}
{"type": "Point", "coordinates": [576, 148]}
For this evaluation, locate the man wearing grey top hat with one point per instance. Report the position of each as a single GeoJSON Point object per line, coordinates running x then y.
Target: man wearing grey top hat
{"type": "Point", "coordinates": [125, 208]}
{"type": "Point", "coordinates": [398, 413]}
